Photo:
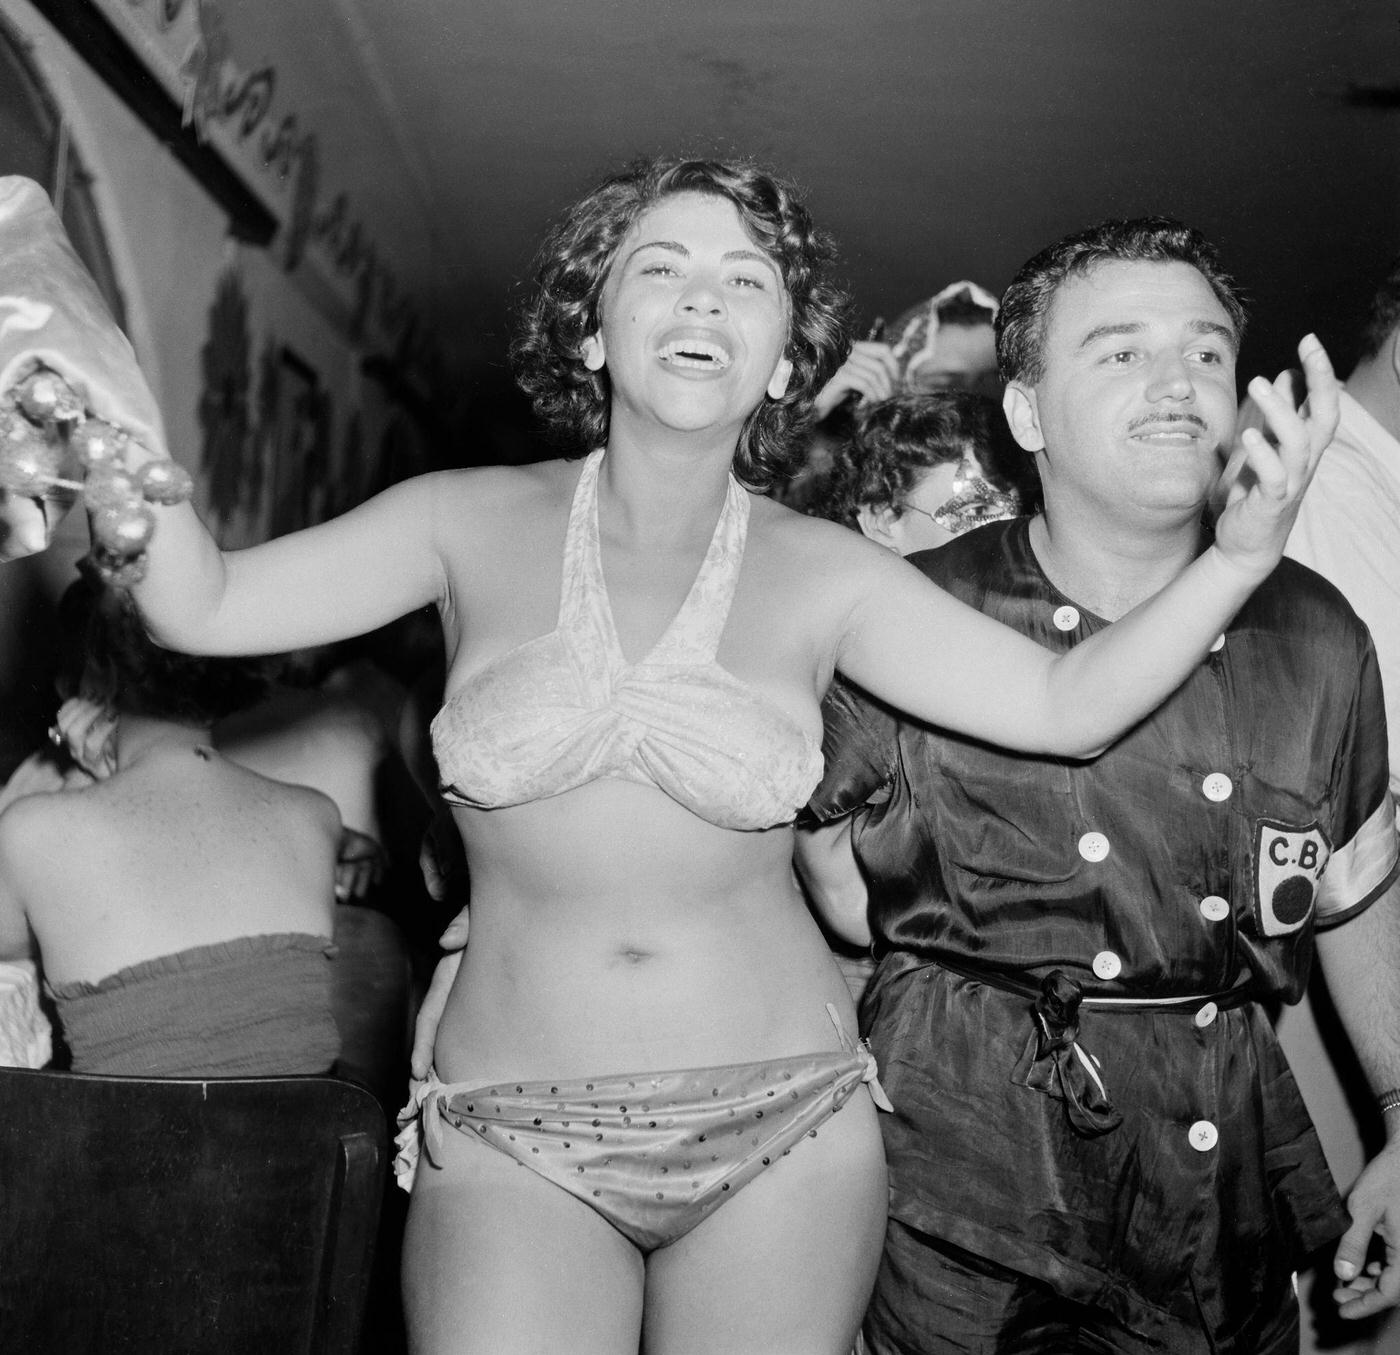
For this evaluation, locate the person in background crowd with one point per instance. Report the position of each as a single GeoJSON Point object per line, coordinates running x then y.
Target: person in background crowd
{"type": "Point", "coordinates": [1096, 1142]}
{"type": "Point", "coordinates": [946, 343]}
{"type": "Point", "coordinates": [1348, 530]}
{"type": "Point", "coordinates": [331, 738]}
{"type": "Point", "coordinates": [917, 471]}
{"type": "Point", "coordinates": [942, 344]}
{"type": "Point", "coordinates": [181, 905]}
{"type": "Point", "coordinates": [26, 1038]}
{"type": "Point", "coordinates": [26, 1034]}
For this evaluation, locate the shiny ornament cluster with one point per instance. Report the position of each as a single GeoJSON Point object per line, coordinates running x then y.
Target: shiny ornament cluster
{"type": "Point", "coordinates": [51, 447]}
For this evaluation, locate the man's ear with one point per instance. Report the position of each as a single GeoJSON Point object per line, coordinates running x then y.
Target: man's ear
{"type": "Point", "coordinates": [1023, 414]}
{"type": "Point", "coordinates": [592, 353]}
{"type": "Point", "coordinates": [778, 382]}
{"type": "Point", "coordinates": [878, 524]}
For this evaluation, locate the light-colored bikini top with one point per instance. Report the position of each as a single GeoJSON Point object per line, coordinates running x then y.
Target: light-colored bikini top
{"type": "Point", "coordinates": [567, 708]}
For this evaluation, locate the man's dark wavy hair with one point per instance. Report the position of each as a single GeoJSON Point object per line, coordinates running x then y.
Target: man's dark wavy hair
{"type": "Point", "coordinates": [572, 266]}
{"type": "Point", "coordinates": [1025, 308]}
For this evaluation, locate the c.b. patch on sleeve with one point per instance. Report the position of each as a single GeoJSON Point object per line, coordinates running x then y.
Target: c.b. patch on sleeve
{"type": "Point", "coordinates": [1288, 862]}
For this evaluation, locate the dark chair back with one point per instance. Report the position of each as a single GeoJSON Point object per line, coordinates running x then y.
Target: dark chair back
{"type": "Point", "coordinates": [176, 1215]}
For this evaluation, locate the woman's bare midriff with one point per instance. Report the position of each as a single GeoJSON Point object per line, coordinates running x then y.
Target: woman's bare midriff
{"type": "Point", "coordinates": [613, 931]}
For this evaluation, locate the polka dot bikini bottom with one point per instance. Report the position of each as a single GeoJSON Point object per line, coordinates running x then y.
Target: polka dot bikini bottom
{"type": "Point", "coordinates": [653, 1153]}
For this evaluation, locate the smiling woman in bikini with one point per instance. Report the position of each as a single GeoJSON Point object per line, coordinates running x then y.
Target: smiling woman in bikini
{"type": "Point", "coordinates": [630, 1128]}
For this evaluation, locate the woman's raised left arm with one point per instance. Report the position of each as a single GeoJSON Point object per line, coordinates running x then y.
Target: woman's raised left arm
{"type": "Point", "coordinates": [928, 654]}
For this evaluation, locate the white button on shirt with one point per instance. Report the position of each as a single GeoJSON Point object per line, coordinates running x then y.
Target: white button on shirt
{"type": "Point", "coordinates": [1214, 908]}
{"type": "Point", "coordinates": [1093, 846]}
{"type": "Point", "coordinates": [1217, 644]}
{"type": "Point", "coordinates": [1202, 1136]}
{"type": "Point", "coordinates": [1217, 786]}
{"type": "Point", "coordinates": [1107, 965]}
{"type": "Point", "coordinates": [1206, 1015]}
{"type": "Point", "coordinates": [1066, 618]}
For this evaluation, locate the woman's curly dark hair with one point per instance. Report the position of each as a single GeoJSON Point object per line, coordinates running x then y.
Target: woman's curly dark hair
{"type": "Point", "coordinates": [895, 442]}
{"type": "Point", "coordinates": [572, 266]}
{"type": "Point", "coordinates": [105, 654]}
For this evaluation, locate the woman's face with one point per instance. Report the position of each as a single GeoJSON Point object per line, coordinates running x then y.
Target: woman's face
{"type": "Point", "coordinates": [694, 320]}
{"type": "Point", "coordinates": [914, 528]}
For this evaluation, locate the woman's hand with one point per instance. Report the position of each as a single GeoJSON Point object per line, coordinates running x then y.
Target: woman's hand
{"type": "Point", "coordinates": [441, 847]}
{"type": "Point", "coordinates": [89, 733]}
{"type": "Point", "coordinates": [359, 866]}
{"type": "Point", "coordinates": [1267, 475]}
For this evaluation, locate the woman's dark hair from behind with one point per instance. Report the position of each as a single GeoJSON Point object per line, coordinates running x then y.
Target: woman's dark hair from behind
{"type": "Point", "coordinates": [894, 443]}
{"type": "Point", "coordinates": [106, 655]}
{"type": "Point", "coordinates": [572, 266]}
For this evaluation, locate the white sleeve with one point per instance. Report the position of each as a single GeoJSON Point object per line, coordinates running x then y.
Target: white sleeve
{"type": "Point", "coordinates": [1348, 530]}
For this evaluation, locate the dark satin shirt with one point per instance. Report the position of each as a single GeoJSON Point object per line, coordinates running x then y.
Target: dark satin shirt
{"type": "Point", "coordinates": [1188, 853]}
{"type": "Point", "coordinates": [1199, 852]}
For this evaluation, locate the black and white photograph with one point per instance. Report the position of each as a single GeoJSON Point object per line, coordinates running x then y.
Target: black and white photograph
{"type": "Point", "coordinates": [699, 680]}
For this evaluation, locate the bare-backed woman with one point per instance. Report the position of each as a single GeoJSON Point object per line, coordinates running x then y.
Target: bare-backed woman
{"type": "Point", "coordinates": [181, 904]}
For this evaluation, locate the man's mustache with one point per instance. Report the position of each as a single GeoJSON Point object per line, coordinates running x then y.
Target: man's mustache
{"type": "Point", "coordinates": [1159, 420]}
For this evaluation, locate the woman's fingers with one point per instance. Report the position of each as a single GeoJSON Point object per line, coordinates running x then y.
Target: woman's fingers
{"type": "Point", "coordinates": [1298, 435]}
{"type": "Point", "coordinates": [1324, 397]}
{"type": "Point", "coordinates": [1301, 432]}
{"type": "Point", "coordinates": [1268, 475]}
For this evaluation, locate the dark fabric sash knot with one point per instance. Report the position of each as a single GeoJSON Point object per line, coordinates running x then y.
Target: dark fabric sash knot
{"type": "Point", "coordinates": [1054, 1063]}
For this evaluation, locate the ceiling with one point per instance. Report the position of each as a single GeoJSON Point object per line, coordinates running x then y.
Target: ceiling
{"type": "Point", "coordinates": [937, 139]}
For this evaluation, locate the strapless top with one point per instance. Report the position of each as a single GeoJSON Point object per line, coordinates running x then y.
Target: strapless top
{"type": "Point", "coordinates": [567, 708]}
{"type": "Point", "coordinates": [251, 1006]}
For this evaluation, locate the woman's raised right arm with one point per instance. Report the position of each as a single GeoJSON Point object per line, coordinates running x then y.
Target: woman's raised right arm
{"type": "Point", "coordinates": [341, 578]}
{"type": "Point", "coordinates": [329, 582]}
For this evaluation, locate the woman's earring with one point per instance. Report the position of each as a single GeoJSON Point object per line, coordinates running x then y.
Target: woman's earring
{"type": "Point", "coordinates": [592, 353]}
{"type": "Point", "coordinates": [778, 382]}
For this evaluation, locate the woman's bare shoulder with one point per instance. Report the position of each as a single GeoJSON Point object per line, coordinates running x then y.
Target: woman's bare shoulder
{"type": "Point", "coordinates": [273, 797]}
{"type": "Point", "coordinates": [31, 823]}
{"type": "Point", "coordinates": [317, 811]}
{"type": "Point", "coordinates": [825, 572]}
{"type": "Point", "coordinates": [814, 545]}
{"type": "Point", "coordinates": [492, 490]}
{"type": "Point", "coordinates": [490, 513]}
